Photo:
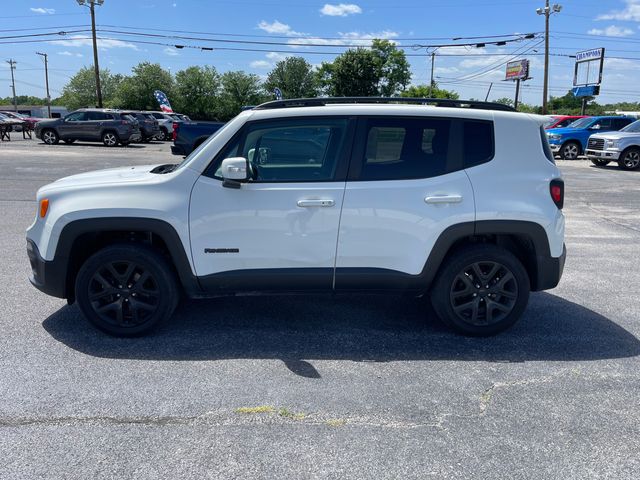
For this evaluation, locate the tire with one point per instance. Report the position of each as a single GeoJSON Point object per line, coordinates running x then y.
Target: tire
{"type": "Point", "coordinates": [630, 159]}
{"type": "Point", "coordinates": [110, 139]}
{"type": "Point", "coordinates": [600, 163]}
{"type": "Point", "coordinates": [50, 136]}
{"type": "Point", "coordinates": [69, 141]}
{"type": "Point", "coordinates": [166, 136]}
{"type": "Point", "coordinates": [463, 303]}
{"type": "Point", "coordinates": [570, 150]}
{"type": "Point", "coordinates": [126, 290]}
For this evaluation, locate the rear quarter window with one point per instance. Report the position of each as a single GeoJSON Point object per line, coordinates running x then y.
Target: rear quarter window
{"type": "Point", "coordinates": [478, 142]}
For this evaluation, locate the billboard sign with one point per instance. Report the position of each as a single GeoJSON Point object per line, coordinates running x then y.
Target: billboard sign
{"type": "Point", "coordinates": [518, 70]}
{"type": "Point", "coordinates": [588, 55]}
{"type": "Point", "coordinates": [588, 68]}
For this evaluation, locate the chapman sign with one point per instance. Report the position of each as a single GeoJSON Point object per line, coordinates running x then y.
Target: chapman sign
{"type": "Point", "coordinates": [518, 70]}
{"type": "Point", "coordinates": [588, 55]}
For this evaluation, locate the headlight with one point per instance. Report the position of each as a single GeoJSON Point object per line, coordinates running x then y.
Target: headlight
{"type": "Point", "coordinates": [554, 137]}
{"type": "Point", "coordinates": [611, 143]}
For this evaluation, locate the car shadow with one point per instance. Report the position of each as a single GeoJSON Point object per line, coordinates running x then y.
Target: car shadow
{"type": "Point", "coordinates": [359, 328]}
{"type": "Point", "coordinates": [614, 167]}
{"type": "Point", "coordinates": [93, 144]}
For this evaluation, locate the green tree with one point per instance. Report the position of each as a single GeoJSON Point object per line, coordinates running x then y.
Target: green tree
{"type": "Point", "coordinates": [504, 101]}
{"type": "Point", "coordinates": [136, 92]}
{"type": "Point", "coordinates": [423, 91]}
{"type": "Point", "coordinates": [382, 70]}
{"type": "Point", "coordinates": [197, 89]}
{"type": "Point", "coordinates": [393, 68]}
{"type": "Point", "coordinates": [80, 91]}
{"type": "Point", "coordinates": [23, 100]}
{"type": "Point", "coordinates": [295, 77]}
{"type": "Point", "coordinates": [238, 90]}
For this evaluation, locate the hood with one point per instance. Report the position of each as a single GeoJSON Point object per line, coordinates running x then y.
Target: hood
{"type": "Point", "coordinates": [121, 175]}
{"type": "Point", "coordinates": [48, 121]}
{"type": "Point", "coordinates": [563, 131]}
{"type": "Point", "coordinates": [615, 135]}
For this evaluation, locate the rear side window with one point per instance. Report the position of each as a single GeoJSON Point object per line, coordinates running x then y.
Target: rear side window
{"type": "Point", "coordinates": [405, 148]}
{"type": "Point", "coordinates": [478, 143]}
{"type": "Point", "coordinates": [545, 145]}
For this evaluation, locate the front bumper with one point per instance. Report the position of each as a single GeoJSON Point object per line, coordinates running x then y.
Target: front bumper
{"type": "Point", "coordinates": [555, 148]}
{"type": "Point", "coordinates": [48, 277]}
{"type": "Point", "coordinates": [603, 154]}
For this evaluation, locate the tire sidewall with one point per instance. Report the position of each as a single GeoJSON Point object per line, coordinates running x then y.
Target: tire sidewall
{"type": "Point", "coordinates": [567, 144]}
{"type": "Point", "coordinates": [460, 259]}
{"type": "Point", "coordinates": [56, 136]}
{"type": "Point", "coordinates": [623, 156]}
{"type": "Point", "coordinates": [104, 135]}
{"type": "Point", "coordinates": [150, 260]}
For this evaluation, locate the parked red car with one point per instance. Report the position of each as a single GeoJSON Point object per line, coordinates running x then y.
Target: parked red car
{"type": "Point", "coordinates": [560, 121]}
{"type": "Point", "coordinates": [30, 121]}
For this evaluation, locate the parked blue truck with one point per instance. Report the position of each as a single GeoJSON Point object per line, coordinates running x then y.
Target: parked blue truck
{"type": "Point", "coordinates": [187, 136]}
{"type": "Point", "coordinates": [571, 141]}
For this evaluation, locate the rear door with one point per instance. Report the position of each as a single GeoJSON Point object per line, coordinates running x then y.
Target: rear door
{"type": "Point", "coordinates": [93, 127]}
{"type": "Point", "coordinates": [406, 186]}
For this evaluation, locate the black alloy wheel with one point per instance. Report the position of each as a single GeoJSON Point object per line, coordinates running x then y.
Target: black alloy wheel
{"type": "Point", "coordinates": [126, 290]}
{"type": "Point", "coordinates": [480, 290]}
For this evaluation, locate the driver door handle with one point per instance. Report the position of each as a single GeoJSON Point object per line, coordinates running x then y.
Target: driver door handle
{"type": "Point", "coordinates": [443, 199]}
{"type": "Point", "coordinates": [325, 202]}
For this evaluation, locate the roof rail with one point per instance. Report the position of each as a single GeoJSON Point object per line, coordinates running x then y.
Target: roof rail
{"type": "Point", "coordinates": [436, 102]}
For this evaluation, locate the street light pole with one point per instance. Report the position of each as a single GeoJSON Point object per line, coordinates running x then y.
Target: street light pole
{"type": "Point", "coordinates": [46, 79]}
{"type": "Point", "coordinates": [92, 4]}
{"type": "Point", "coordinates": [547, 11]}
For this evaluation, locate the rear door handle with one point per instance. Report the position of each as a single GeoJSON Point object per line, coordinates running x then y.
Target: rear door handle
{"type": "Point", "coordinates": [326, 202]}
{"type": "Point", "coordinates": [443, 199]}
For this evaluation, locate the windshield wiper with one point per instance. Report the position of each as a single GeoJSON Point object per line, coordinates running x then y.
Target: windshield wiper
{"type": "Point", "coordinates": [166, 168]}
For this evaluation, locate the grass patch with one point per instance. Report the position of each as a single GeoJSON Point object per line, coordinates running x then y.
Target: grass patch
{"type": "Point", "coordinates": [261, 409]}
{"type": "Point", "coordinates": [283, 412]}
{"type": "Point", "coordinates": [336, 422]}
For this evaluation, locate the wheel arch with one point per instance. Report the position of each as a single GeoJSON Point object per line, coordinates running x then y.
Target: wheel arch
{"type": "Point", "coordinates": [81, 238]}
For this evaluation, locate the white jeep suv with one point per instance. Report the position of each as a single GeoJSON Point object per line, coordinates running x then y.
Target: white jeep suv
{"type": "Point", "coordinates": [318, 195]}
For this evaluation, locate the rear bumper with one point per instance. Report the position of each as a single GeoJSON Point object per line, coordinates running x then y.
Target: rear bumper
{"type": "Point", "coordinates": [48, 277]}
{"type": "Point", "coordinates": [178, 150]}
{"type": "Point", "coordinates": [603, 154]}
{"type": "Point", "coordinates": [550, 270]}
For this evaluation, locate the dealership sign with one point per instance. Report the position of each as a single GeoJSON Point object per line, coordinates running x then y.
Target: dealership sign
{"type": "Point", "coordinates": [588, 55]}
{"type": "Point", "coordinates": [518, 70]}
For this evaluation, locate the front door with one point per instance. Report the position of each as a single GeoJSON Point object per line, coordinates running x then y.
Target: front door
{"type": "Point", "coordinates": [71, 127]}
{"type": "Point", "coordinates": [279, 230]}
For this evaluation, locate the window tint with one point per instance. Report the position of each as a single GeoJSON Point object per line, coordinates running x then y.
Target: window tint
{"type": "Point", "coordinates": [159, 116]}
{"type": "Point", "coordinates": [76, 117]}
{"type": "Point", "coordinates": [564, 123]}
{"type": "Point", "coordinates": [297, 150]}
{"type": "Point", "coordinates": [478, 145]}
{"type": "Point", "coordinates": [405, 148]}
{"type": "Point", "coordinates": [618, 123]}
{"type": "Point", "coordinates": [97, 116]}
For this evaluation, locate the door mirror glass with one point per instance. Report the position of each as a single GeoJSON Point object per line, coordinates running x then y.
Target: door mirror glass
{"type": "Point", "coordinates": [235, 168]}
{"type": "Point", "coordinates": [595, 127]}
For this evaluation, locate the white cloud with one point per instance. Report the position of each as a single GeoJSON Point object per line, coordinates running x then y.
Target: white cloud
{"type": "Point", "coordinates": [348, 38]}
{"type": "Point", "coordinates": [172, 52]}
{"type": "Point", "coordinates": [260, 64]}
{"type": "Point", "coordinates": [44, 11]}
{"type": "Point", "coordinates": [278, 27]}
{"type": "Point", "coordinates": [174, 5]}
{"type": "Point", "coordinates": [619, 64]}
{"type": "Point", "coordinates": [340, 10]}
{"type": "Point", "coordinates": [276, 57]}
{"type": "Point", "coordinates": [105, 44]}
{"type": "Point", "coordinates": [67, 53]}
{"type": "Point", "coordinates": [630, 14]}
{"type": "Point", "coordinates": [611, 31]}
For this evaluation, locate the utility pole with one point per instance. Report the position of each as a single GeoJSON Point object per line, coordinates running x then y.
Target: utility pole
{"type": "Point", "coordinates": [92, 4]}
{"type": "Point", "coordinates": [46, 79]}
{"type": "Point", "coordinates": [12, 65]}
{"type": "Point", "coordinates": [433, 61]}
{"type": "Point", "coordinates": [547, 11]}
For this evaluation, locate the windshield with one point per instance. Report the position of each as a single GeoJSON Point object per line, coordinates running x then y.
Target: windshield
{"type": "Point", "coordinates": [632, 127]}
{"type": "Point", "coordinates": [581, 123]}
{"type": "Point", "coordinates": [550, 121]}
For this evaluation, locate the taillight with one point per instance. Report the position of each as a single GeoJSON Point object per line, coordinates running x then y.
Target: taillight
{"type": "Point", "coordinates": [174, 135]}
{"type": "Point", "coordinates": [556, 189]}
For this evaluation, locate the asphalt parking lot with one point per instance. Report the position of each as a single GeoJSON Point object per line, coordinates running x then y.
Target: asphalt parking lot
{"type": "Point", "coordinates": [322, 387]}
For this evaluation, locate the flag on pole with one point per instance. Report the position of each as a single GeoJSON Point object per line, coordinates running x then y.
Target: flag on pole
{"type": "Point", "coordinates": [162, 99]}
{"type": "Point", "coordinates": [278, 93]}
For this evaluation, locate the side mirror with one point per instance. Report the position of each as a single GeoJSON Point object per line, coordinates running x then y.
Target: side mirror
{"type": "Point", "coordinates": [596, 127]}
{"type": "Point", "coordinates": [233, 171]}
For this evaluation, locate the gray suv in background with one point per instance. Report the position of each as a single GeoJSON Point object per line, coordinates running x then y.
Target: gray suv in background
{"type": "Point", "coordinates": [110, 127]}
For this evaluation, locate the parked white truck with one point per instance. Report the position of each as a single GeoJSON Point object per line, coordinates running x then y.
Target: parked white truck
{"type": "Point", "coordinates": [622, 146]}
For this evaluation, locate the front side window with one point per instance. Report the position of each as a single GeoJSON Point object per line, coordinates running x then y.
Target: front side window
{"type": "Point", "coordinates": [296, 150]}
{"type": "Point", "coordinates": [76, 117]}
{"type": "Point", "coordinates": [409, 148]}
{"type": "Point", "coordinates": [632, 127]}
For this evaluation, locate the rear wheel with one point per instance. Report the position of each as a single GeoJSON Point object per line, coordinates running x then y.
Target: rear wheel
{"type": "Point", "coordinates": [126, 290]}
{"type": "Point", "coordinates": [110, 139]}
{"type": "Point", "coordinates": [166, 136]}
{"type": "Point", "coordinates": [50, 137]}
{"type": "Point", "coordinates": [570, 151]}
{"type": "Point", "coordinates": [482, 290]}
{"type": "Point", "coordinates": [630, 159]}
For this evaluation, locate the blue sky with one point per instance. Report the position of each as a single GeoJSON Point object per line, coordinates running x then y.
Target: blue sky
{"type": "Point", "coordinates": [581, 25]}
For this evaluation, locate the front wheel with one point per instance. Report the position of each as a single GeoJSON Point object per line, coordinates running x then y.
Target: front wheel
{"type": "Point", "coordinates": [599, 162]}
{"type": "Point", "coordinates": [110, 139]}
{"type": "Point", "coordinates": [481, 290]}
{"type": "Point", "coordinates": [630, 159]}
{"type": "Point", "coordinates": [126, 290]}
{"type": "Point", "coordinates": [50, 137]}
{"type": "Point", "coordinates": [570, 151]}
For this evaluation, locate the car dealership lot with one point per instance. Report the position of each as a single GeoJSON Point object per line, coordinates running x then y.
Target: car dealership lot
{"type": "Point", "coordinates": [315, 386]}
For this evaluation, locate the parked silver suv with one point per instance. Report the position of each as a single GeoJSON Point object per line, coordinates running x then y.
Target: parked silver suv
{"type": "Point", "coordinates": [622, 146]}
